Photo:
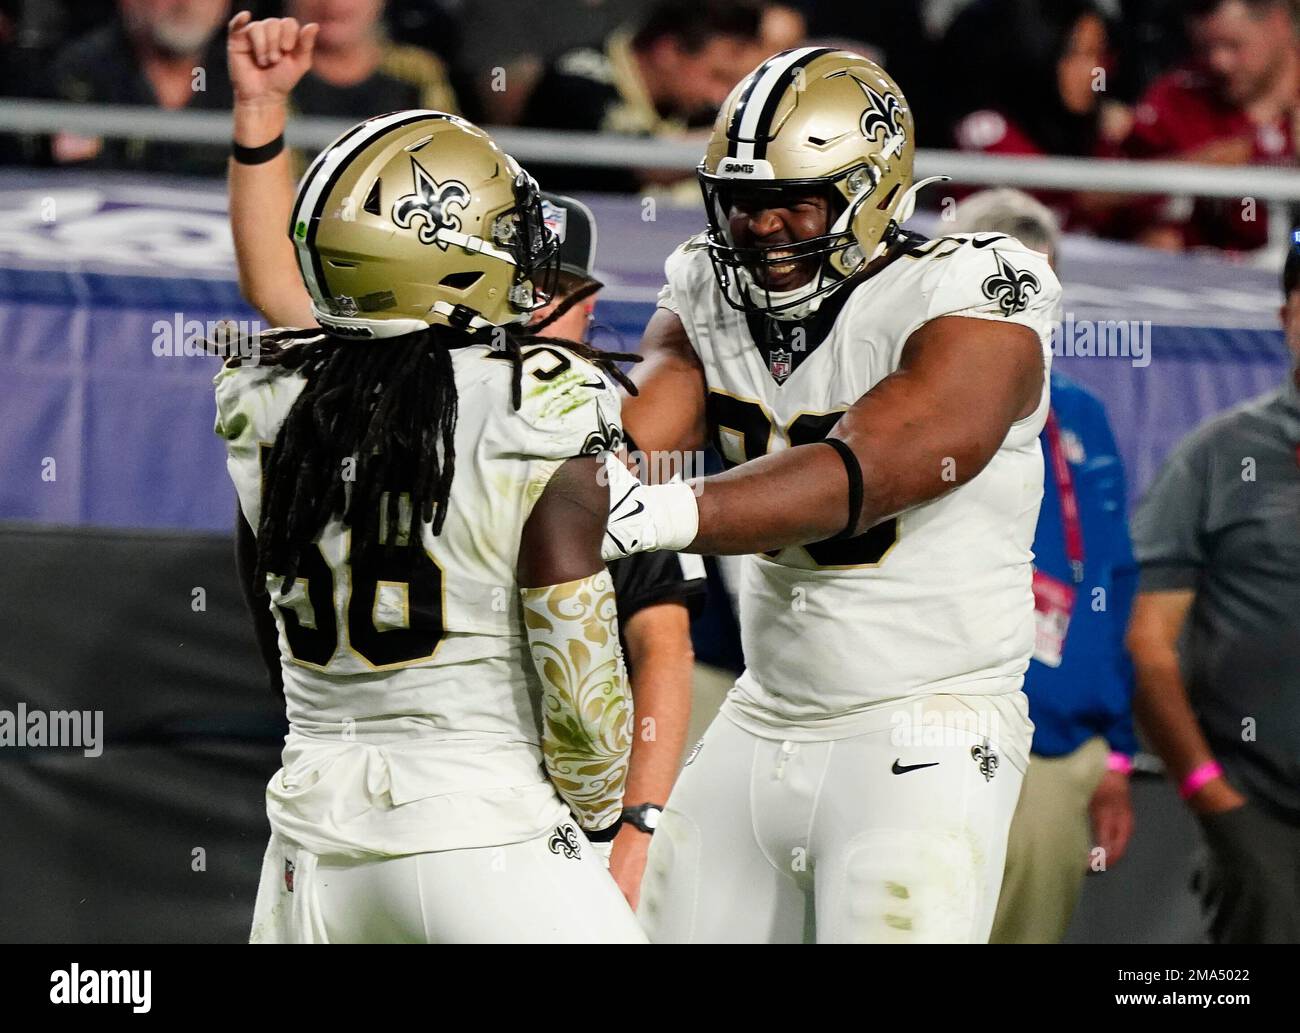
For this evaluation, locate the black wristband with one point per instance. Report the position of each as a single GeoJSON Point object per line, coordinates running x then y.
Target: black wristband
{"type": "Point", "coordinates": [854, 470]}
{"type": "Point", "coordinates": [256, 155]}
{"type": "Point", "coordinates": [605, 835]}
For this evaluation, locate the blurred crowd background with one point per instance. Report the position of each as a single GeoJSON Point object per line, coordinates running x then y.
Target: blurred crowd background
{"type": "Point", "coordinates": [1208, 81]}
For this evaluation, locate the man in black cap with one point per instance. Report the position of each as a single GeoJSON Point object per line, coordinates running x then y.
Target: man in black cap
{"type": "Point", "coordinates": [1218, 538]}
{"type": "Point", "coordinates": [655, 593]}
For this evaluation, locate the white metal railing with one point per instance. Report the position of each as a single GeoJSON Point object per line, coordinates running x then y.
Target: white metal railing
{"type": "Point", "coordinates": [1265, 184]}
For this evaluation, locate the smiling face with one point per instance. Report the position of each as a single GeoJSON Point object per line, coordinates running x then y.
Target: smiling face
{"type": "Point", "coordinates": [770, 218]}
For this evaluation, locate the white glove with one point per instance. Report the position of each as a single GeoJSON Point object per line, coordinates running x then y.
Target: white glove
{"type": "Point", "coordinates": [646, 517]}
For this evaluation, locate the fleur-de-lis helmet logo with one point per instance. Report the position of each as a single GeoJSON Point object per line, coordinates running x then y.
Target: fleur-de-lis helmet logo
{"type": "Point", "coordinates": [1010, 287]}
{"type": "Point", "coordinates": [432, 205]}
{"type": "Point", "coordinates": [883, 114]}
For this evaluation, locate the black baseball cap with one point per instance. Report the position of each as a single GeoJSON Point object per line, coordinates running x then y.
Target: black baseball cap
{"type": "Point", "coordinates": [573, 223]}
{"type": "Point", "coordinates": [1291, 271]}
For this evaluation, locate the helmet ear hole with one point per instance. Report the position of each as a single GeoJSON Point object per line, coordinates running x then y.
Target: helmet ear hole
{"type": "Point", "coordinates": [462, 281]}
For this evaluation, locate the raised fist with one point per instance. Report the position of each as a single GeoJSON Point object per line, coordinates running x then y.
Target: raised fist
{"type": "Point", "coordinates": [267, 57]}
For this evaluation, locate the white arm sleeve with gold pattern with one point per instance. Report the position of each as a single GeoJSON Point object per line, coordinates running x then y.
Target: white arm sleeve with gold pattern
{"type": "Point", "coordinates": [586, 707]}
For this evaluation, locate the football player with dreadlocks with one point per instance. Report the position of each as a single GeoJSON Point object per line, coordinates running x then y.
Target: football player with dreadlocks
{"type": "Point", "coordinates": [421, 470]}
{"type": "Point", "coordinates": [879, 397]}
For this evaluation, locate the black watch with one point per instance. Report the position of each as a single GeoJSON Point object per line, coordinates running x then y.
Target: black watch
{"type": "Point", "coordinates": [644, 816]}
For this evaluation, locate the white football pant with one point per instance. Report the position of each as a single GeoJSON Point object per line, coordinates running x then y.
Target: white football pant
{"type": "Point", "coordinates": [777, 841]}
{"type": "Point", "coordinates": [554, 889]}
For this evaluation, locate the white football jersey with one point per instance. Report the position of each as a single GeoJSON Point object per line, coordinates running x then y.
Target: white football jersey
{"type": "Point", "coordinates": [411, 696]}
{"type": "Point", "coordinates": [937, 600]}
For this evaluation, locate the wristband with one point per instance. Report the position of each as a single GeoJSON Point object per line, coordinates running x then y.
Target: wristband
{"type": "Point", "coordinates": [605, 835]}
{"type": "Point", "coordinates": [854, 471]}
{"type": "Point", "coordinates": [1198, 777]}
{"type": "Point", "coordinates": [256, 155]}
{"type": "Point", "coordinates": [1119, 762]}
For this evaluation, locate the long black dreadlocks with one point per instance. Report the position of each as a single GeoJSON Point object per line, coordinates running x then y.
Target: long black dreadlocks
{"type": "Point", "coordinates": [378, 418]}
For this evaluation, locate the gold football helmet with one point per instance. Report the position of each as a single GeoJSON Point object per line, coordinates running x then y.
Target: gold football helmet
{"type": "Point", "coordinates": [417, 218]}
{"type": "Point", "coordinates": [818, 119]}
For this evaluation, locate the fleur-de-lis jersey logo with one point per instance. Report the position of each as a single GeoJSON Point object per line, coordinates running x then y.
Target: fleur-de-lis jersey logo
{"type": "Point", "coordinates": [607, 437]}
{"type": "Point", "coordinates": [1010, 287]}
{"type": "Point", "coordinates": [884, 114]}
{"type": "Point", "coordinates": [987, 759]}
{"type": "Point", "coordinates": [565, 841]}
{"type": "Point", "coordinates": [434, 201]}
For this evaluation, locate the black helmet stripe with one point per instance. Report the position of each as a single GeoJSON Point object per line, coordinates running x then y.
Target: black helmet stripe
{"type": "Point", "coordinates": [733, 126]}
{"type": "Point", "coordinates": [751, 122]}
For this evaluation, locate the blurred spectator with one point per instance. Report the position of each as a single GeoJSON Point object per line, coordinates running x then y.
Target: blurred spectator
{"type": "Point", "coordinates": [1236, 103]}
{"type": "Point", "coordinates": [157, 53]}
{"type": "Point", "coordinates": [673, 71]}
{"type": "Point", "coordinates": [1218, 696]}
{"type": "Point", "coordinates": [1079, 682]}
{"type": "Point", "coordinates": [1044, 70]}
{"type": "Point", "coordinates": [357, 72]}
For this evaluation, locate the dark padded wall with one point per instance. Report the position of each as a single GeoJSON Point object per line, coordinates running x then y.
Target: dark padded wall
{"type": "Point", "coordinates": [102, 849]}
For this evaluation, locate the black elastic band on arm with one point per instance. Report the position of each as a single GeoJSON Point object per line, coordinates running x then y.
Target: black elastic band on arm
{"type": "Point", "coordinates": [854, 469]}
{"type": "Point", "coordinates": [605, 835]}
{"type": "Point", "coordinates": [256, 155]}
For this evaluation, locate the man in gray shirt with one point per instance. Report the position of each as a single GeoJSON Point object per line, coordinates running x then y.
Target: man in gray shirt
{"type": "Point", "coordinates": [1218, 538]}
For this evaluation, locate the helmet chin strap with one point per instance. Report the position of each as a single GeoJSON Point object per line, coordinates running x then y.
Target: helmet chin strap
{"type": "Point", "coordinates": [907, 203]}
{"type": "Point", "coordinates": [902, 212]}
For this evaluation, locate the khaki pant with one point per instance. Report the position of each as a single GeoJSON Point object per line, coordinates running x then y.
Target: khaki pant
{"type": "Point", "coordinates": [1047, 851]}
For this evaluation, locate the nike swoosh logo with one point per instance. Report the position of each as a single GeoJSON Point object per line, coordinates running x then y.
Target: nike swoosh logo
{"type": "Point", "coordinates": [903, 769]}
{"type": "Point", "coordinates": [986, 243]}
{"type": "Point", "coordinates": [639, 507]}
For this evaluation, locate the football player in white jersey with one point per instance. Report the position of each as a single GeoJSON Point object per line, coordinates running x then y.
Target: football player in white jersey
{"type": "Point", "coordinates": [879, 396]}
{"type": "Point", "coordinates": [422, 475]}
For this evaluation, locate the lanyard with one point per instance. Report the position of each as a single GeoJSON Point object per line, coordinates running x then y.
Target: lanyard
{"type": "Point", "coordinates": [1069, 501]}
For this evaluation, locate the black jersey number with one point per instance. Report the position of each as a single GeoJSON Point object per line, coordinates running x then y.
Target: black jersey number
{"type": "Point", "coordinates": [414, 579]}
{"type": "Point", "coordinates": [743, 425]}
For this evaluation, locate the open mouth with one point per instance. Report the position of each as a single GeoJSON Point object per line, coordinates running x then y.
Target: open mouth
{"type": "Point", "coordinates": [779, 275]}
